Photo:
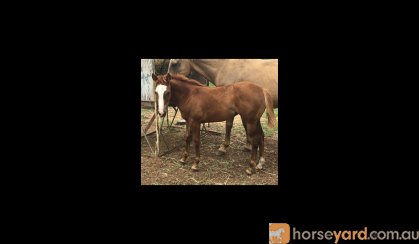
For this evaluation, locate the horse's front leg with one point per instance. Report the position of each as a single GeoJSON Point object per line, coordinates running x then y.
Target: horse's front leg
{"type": "Point", "coordinates": [196, 133]}
{"type": "Point", "coordinates": [222, 149]}
{"type": "Point", "coordinates": [188, 142]}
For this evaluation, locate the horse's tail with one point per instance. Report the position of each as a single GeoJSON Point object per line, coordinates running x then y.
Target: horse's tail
{"type": "Point", "coordinates": [269, 109]}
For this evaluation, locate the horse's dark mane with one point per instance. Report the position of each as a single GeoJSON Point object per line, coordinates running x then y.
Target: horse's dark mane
{"type": "Point", "coordinates": [185, 79]}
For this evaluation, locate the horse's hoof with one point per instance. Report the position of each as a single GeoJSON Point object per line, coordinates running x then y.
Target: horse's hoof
{"type": "Point", "coordinates": [194, 170]}
{"type": "Point", "coordinates": [246, 150]}
{"type": "Point", "coordinates": [219, 153]}
{"type": "Point", "coordinates": [182, 163]}
{"type": "Point", "coordinates": [246, 173]}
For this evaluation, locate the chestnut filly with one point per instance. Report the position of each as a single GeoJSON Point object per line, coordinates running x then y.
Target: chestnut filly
{"type": "Point", "coordinates": [200, 104]}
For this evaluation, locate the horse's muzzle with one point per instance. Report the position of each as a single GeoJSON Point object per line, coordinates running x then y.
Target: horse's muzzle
{"type": "Point", "coordinates": [162, 115]}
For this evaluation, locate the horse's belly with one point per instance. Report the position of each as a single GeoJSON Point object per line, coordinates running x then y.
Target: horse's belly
{"type": "Point", "coordinates": [210, 116]}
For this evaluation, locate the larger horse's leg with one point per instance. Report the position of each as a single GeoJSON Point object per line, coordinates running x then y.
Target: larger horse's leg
{"type": "Point", "coordinates": [196, 131]}
{"type": "Point", "coordinates": [254, 139]}
{"type": "Point", "coordinates": [222, 149]}
{"type": "Point", "coordinates": [246, 148]}
{"type": "Point", "coordinates": [261, 146]}
{"type": "Point", "coordinates": [188, 142]}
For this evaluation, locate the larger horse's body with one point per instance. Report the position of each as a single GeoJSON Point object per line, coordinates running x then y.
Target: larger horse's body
{"type": "Point", "coordinates": [198, 104]}
{"type": "Point", "coordinates": [222, 72]}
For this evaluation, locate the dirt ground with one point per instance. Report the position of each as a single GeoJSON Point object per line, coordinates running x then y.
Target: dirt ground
{"type": "Point", "coordinates": [227, 169]}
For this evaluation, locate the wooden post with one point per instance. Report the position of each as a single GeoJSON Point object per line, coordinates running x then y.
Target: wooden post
{"type": "Point", "coordinates": [157, 127]}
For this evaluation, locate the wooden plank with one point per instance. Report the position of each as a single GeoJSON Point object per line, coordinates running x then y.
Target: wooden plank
{"type": "Point", "coordinates": [149, 123]}
{"type": "Point", "coordinates": [151, 133]}
{"type": "Point", "coordinates": [147, 105]}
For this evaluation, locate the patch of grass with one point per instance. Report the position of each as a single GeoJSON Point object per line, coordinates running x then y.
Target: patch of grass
{"type": "Point", "coordinates": [265, 127]}
{"type": "Point", "coordinates": [146, 110]}
{"type": "Point", "coordinates": [238, 129]}
{"type": "Point", "coordinates": [267, 131]}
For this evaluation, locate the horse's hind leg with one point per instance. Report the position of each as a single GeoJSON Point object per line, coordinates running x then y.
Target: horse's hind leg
{"type": "Point", "coordinates": [254, 139]}
{"type": "Point", "coordinates": [188, 142]}
{"type": "Point", "coordinates": [261, 146]}
{"type": "Point", "coordinates": [248, 147]}
{"type": "Point", "coordinates": [222, 149]}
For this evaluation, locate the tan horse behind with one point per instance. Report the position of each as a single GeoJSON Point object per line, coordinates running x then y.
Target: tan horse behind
{"type": "Point", "coordinates": [200, 104]}
{"type": "Point", "coordinates": [221, 72]}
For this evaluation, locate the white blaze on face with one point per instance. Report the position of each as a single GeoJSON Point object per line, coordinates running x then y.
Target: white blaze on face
{"type": "Point", "coordinates": [160, 89]}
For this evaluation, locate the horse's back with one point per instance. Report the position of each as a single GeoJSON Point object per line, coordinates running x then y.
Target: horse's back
{"type": "Point", "coordinates": [273, 62]}
{"type": "Point", "coordinates": [246, 85]}
{"type": "Point", "coordinates": [253, 65]}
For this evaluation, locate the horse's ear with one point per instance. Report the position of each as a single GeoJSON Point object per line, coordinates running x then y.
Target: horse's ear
{"type": "Point", "coordinates": [154, 77]}
{"type": "Point", "coordinates": [168, 77]}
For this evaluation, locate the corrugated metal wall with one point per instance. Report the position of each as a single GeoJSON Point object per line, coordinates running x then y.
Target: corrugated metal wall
{"type": "Point", "coordinates": [147, 86]}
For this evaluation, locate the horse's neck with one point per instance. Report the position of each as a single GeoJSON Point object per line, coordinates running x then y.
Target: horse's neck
{"type": "Point", "coordinates": [209, 68]}
{"type": "Point", "coordinates": [179, 92]}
